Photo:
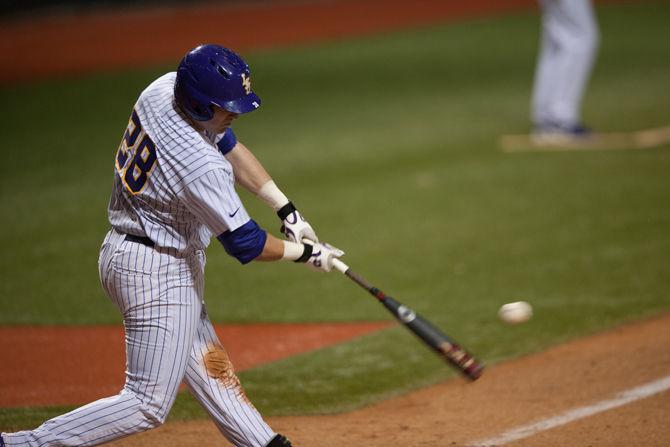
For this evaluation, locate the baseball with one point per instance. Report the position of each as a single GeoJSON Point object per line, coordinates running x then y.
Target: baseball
{"type": "Point", "coordinates": [515, 313]}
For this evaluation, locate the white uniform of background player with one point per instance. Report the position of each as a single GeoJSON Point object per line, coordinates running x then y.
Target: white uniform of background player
{"type": "Point", "coordinates": [567, 50]}
{"type": "Point", "coordinates": [174, 188]}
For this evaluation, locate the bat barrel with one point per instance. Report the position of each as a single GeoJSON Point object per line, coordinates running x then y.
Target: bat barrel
{"type": "Point", "coordinates": [429, 334]}
{"type": "Point", "coordinates": [433, 337]}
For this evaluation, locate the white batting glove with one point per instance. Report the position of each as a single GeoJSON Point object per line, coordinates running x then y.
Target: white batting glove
{"type": "Point", "coordinates": [294, 226]}
{"type": "Point", "coordinates": [321, 258]}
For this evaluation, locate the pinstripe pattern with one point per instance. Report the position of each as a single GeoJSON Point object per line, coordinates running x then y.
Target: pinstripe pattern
{"type": "Point", "coordinates": [235, 417]}
{"type": "Point", "coordinates": [188, 196]}
{"type": "Point", "coordinates": [168, 333]}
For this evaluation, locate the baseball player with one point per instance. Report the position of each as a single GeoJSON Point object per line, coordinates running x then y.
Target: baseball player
{"type": "Point", "coordinates": [567, 50]}
{"type": "Point", "coordinates": [174, 188]}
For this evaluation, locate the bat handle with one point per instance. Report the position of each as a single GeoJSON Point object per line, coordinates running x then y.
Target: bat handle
{"type": "Point", "coordinates": [340, 266]}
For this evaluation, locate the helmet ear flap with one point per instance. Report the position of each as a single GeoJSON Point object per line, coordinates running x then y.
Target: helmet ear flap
{"type": "Point", "coordinates": [205, 113]}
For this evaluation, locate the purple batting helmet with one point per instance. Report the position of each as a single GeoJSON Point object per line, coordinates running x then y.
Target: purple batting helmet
{"type": "Point", "coordinates": [211, 75]}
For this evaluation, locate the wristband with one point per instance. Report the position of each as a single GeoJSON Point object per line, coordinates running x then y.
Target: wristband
{"type": "Point", "coordinates": [309, 249]}
{"type": "Point", "coordinates": [285, 210]}
{"type": "Point", "coordinates": [296, 252]}
{"type": "Point", "coordinates": [272, 195]}
{"type": "Point", "coordinates": [292, 251]}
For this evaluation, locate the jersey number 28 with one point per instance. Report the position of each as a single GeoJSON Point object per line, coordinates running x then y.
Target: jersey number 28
{"type": "Point", "coordinates": [136, 156]}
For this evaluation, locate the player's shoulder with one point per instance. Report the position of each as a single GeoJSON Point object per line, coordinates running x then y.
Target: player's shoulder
{"type": "Point", "coordinates": [162, 120]}
{"type": "Point", "coordinates": [157, 100]}
{"type": "Point", "coordinates": [184, 152]}
{"type": "Point", "coordinates": [160, 85]}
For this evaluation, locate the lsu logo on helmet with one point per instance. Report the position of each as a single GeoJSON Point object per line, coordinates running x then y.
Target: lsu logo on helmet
{"type": "Point", "coordinates": [246, 83]}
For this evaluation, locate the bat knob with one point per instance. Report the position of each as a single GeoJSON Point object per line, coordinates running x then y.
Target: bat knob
{"type": "Point", "coordinates": [475, 372]}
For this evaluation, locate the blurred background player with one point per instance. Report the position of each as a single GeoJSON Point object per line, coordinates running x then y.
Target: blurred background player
{"type": "Point", "coordinates": [174, 188]}
{"type": "Point", "coordinates": [568, 47]}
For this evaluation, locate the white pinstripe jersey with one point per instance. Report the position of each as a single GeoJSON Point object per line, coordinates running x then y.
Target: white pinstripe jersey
{"type": "Point", "coordinates": [171, 182]}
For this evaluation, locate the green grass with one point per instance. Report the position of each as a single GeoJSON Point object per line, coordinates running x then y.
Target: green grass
{"type": "Point", "coordinates": [388, 145]}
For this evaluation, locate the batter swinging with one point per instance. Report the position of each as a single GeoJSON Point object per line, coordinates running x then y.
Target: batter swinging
{"type": "Point", "coordinates": [174, 188]}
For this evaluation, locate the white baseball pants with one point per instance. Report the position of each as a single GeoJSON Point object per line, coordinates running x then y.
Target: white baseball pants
{"type": "Point", "coordinates": [168, 338]}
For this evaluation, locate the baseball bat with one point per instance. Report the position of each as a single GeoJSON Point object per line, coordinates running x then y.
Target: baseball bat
{"type": "Point", "coordinates": [444, 346]}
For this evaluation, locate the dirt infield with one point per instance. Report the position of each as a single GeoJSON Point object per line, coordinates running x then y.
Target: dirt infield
{"type": "Point", "coordinates": [512, 394]}
{"type": "Point", "coordinates": [454, 413]}
{"type": "Point", "coordinates": [44, 47]}
{"type": "Point", "coordinates": [76, 365]}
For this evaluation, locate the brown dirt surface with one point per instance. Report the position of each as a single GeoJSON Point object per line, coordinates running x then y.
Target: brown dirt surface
{"type": "Point", "coordinates": [76, 365]}
{"type": "Point", "coordinates": [37, 364]}
{"type": "Point", "coordinates": [512, 394]}
{"type": "Point", "coordinates": [63, 45]}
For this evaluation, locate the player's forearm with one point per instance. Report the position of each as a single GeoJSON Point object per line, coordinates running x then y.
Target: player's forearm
{"type": "Point", "coordinates": [249, 172]}
{"type": "Point", "coordinates": [273, 249]}
{"type": "Point", "coordinates": [277, 249]}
